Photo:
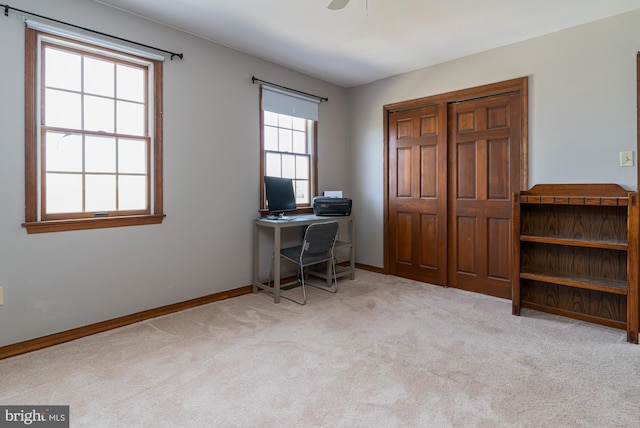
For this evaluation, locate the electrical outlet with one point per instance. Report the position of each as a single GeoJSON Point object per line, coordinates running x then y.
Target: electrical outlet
{"type": "Point", "coordinates": [626, 158]}
{"type": "Point", "coordinates": [1, 295]}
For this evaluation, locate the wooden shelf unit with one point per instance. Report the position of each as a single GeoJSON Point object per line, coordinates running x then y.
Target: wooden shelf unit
{"type": "Point", "coordinates": [576, 252]}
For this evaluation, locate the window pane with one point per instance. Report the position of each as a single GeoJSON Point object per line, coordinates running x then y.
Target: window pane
{"type": "Point", "coordinates": [130, 83]}
{"type": "Point", "coordinates": [288, 166]}
{"type": "Point", "coordinates": [273, 165]}
{"type": "Point", "coordinates": [132, 156]}
{"type": "Point", "coordinates": [270, 138]}
{"type": "Point", "coordinates": [299, 124]}
{"type": "Point", "coordinates": [64, 193]}
{"type": "Point", "coordinates": [100, 192]}
{"type": "Point", "coordinates": [285, 138]}
{"type": "Point", "coordinates": [132, 192]}
{"type": "Point", "coordinates": [100, 154]}
{"type": "Point", "coordinates": [98, 77]}
{"type": "Point", "coordinates": [299, 142]}
{"type": "Point", "coordinates": [63, 152]}
{"type": "Point", "coordinates": [285, 121]}
{"type": "Point", "coordinates": [62, 109]}
{"type": "Point", "coordinates": [130, 118]}
{"type": "Point", "coordinates": [270, 118]}
{"type": "Point", "coordinates": [62, 69]}
{"type": "Point", "coordinates": [98, 114]}
{"type": "Point", "coordinates": [302, 167]}
{"type": "Point", "coordinates": [302, 192]}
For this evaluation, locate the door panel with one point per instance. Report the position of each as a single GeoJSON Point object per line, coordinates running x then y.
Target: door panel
{"type": "Point", "coordinates": [466, 244]}
{"type": "Point", "coordinates": [417, 194]}
{"type": "Point", "coordinates": [429, 250]}
{"type": "Point", "coordinates": [404, 173]}
{"type": "Point", "coordinates": [404, 243]}
{"type": "Point", "coordinates": [466, 167]}
{"type": "Point", "coordinates": [498, 165]}
{"type": "Point", "coordinates": [485, 159]}
{"type": "Point", "coordinates": [498, 233]}
{"type": "Point", "coordinates": [429, 168]}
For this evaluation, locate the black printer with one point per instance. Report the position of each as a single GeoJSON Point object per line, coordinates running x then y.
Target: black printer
{"type": "Point", "coordinates": [323, 205]}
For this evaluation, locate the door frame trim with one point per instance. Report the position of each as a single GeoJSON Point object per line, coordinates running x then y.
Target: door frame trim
{"type": "Point", "coordinates": [638, 115]}
{"type": "Point", "coordinates": [520, 84]}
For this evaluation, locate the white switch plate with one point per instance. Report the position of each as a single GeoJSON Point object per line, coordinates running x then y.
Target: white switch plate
{"type": "Point", "coordinates": [1, 296]}
{"type": "Point", "coordinates": [626, 158]}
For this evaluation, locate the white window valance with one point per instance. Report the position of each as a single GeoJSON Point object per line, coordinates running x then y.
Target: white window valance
{"type": "Point", "coordinates": [290, 103]}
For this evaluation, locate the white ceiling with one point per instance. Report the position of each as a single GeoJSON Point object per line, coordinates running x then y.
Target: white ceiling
{"type": "Point", "coordinates": [369, 39]}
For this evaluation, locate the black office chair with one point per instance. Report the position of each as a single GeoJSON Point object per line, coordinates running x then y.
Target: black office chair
{"type": "Point", "coordinates": [317, 247]}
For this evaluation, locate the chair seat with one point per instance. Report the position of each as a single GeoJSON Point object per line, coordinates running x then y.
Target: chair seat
{"type": "Point", "coordinates": [293, 254]}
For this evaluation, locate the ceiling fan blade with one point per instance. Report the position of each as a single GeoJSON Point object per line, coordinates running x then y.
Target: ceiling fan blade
{"type": "Point", "coordinates": [337, 4]}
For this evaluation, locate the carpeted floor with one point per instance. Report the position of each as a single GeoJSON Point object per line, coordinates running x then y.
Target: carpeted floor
{"type": "Point", "coordinates": [383, 352]}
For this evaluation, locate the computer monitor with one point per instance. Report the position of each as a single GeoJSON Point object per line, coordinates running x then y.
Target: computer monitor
{"type": "Point", "coordinates": [280, 196]}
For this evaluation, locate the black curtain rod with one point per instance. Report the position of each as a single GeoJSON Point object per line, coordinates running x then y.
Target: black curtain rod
{"type": "Point", "coordinates": [6, 13]}
{"type": "Point", "coordinates": [255, 79]}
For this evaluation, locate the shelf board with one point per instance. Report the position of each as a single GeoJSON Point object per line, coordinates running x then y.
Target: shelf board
{"type": "Point", "coordinates": [341, 244]}
{"type": "Point", "coordinates": [575, 200]}
{"type": "Point", "coordinates": [614, 286]}
{"type": "Point", "coordinates": [576, 315]}
{"type": "Point", "coordinates": [610, 245]}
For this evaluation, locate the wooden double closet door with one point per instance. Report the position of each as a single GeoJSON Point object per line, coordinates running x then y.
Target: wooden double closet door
{"type": "Point", "coordinates": [453, 166]}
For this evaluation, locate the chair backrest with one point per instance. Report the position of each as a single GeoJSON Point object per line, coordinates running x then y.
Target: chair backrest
{"type": "Point", "coordinates": [319, 239]}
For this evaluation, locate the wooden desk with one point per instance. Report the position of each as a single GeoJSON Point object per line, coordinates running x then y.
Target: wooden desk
{"type": "Point", "coordinates": [345, 241]}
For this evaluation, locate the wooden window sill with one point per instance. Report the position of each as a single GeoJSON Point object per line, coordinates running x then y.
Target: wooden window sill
{"type": "Point", "coordinates": [91, 223]}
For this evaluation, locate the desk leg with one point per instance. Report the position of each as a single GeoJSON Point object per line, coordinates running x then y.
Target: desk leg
{"type": "Point", "coordinates": [256, 263]}
{"type": "Point", "coordinates": [276, 265]}
{"type": "Point", "coordinates": [352, 255]}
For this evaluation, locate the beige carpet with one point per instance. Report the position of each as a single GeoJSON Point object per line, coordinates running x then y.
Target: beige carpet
{"type": "Point", "coordinates": [383, 352]}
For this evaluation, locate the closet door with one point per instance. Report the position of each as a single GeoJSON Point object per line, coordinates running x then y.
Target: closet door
{"type": "Point", "coordinates": [418, 194]}
{"type": "Point", "coordinates": [484, 159]}
{"type": "Point", "coordinates": [454, 160]}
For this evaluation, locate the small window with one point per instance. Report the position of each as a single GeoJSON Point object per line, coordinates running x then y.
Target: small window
{"type": "Point", "coordinates": [94, 144]}
{"type": "Point", "coordinates": [288, 144]}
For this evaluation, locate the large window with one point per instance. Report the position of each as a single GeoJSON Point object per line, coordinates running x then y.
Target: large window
{"type": "Point", "coordinates": [93, 136]}
{"type": "Point", "coordinates": [289, 143]}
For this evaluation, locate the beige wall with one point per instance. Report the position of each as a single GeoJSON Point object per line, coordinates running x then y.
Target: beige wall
{"type": "Point", "coordinates": [58, 281]}
{"type": "Point", "coordinates": [582, 111]}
